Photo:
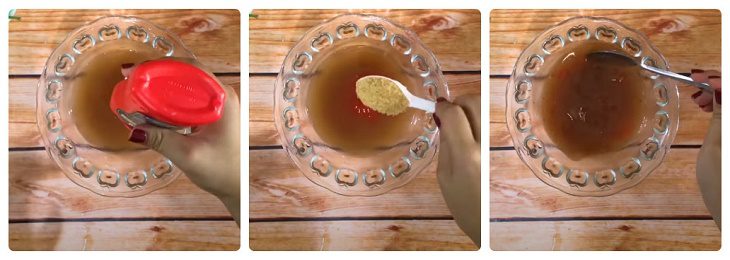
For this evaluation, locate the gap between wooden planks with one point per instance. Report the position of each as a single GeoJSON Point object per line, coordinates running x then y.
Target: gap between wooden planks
{"type": "Point", "coordinates": [687, 38]}
{"type": "Point", "coordinates": [212, 35]}
{"type": "Point", "coordinates": [124, 235]}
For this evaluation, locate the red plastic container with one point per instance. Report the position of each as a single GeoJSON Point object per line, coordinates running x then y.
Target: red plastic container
{"type": "Point", "coordinates": [168, 93]}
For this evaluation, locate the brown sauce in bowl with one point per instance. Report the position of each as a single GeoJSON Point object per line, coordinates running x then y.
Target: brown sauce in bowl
{"type": "Point", "coordinates": [591, 107]}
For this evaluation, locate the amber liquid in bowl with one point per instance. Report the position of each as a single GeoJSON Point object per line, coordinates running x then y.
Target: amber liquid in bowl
{"type": "Point", "coordinates": [340, 118]}
{"type": "Point", "coordinates": [590, 108]}
{"type": "Point", "coordinates": [92, 85]}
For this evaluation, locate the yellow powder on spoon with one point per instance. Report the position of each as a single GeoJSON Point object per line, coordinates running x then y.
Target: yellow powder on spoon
{"type": "Point", "coordinates": [382, 95]}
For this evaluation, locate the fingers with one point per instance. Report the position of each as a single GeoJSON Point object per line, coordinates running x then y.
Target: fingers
{"type": "Point", "coordinates": [703, 99]}
{"type": "Point", "coordinates": [471, 104]}
{"type": "Point", "coordinates": [698, 75]}
{"type": "Point", "coordinates": [715, 82]}
{"type": "Point", "coordinates": [454, 126]}
{"type": "Point", "coordinates": [230, 121]}
{"type": "Point", "coordinates": [706, 108]}
{"type": "Point", "coordinates": [701, 75]}
{"type": "Point", "coordinates": [169, 143]}
{"type": "Point", "coordinates": [127, 69]}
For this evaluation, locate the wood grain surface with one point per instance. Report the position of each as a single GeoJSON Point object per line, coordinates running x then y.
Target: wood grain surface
{"type": "Point", "coordinates": [664, 212]}
{"type": "Point", "coordinates": [214, 36]}
{"type": "Point", "coordinates": [606, 235]}
{"type": "Point", "coordinates": [289, 212]}
{"type": "Point", "coordinates": [39, 190]}
{"type": "Point", "coordinates": [47, 210]}
{"type": "Point", "coordinates": [125, 235]}
{"type": "Point", "coordinates": [670, 191]}
{"type": "Point", "coordinates": [279, 190]}
{"type": "Point", "coordinates": [359, 235]}
{"type": "Point", "coordinates": [687, 38]}
{"type": "Point", "coordinates": [453, 35]}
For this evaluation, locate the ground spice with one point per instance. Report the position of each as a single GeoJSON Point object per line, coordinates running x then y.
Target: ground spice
{"type": "Point", "coordinates": [382, 95]}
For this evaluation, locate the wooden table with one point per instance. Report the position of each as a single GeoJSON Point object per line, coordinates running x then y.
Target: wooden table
{"type": "Point", "coordinates": [287, 211]}
{"type": "Point", "coordinates": [664, 212]}
{"type": "Point", "coordinates": [48, 211]}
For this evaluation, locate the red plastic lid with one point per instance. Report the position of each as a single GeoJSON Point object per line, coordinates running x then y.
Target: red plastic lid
{"type": "Point", "coordinates": [170, 91]}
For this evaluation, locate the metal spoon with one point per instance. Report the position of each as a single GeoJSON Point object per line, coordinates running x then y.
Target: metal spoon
{"type": "Point", "coordinates": [413, 101]}
{"type": "Point", "coordinates": [620, 58]}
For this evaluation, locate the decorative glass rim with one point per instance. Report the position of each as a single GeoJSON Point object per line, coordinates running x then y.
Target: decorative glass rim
{"type": "Point", "coordinates": [532, 151]}
{"type": "Point", "coordinates": [354, 179]}
{"type": "Point", "coordinates": [108, 181]}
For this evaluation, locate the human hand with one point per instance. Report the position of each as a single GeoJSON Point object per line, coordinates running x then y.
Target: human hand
{"type": "Point", "coordinates": [708, 159]}
{"type": "Point", "coordinates": [210, 156]}
{"type": "Point", "coordinates": [706, 100]}
{"type": "Point", "coordinates": [459, 162]}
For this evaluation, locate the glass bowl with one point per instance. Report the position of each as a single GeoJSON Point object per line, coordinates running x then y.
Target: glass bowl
{"type": "Point", "coordinates": [345, 173]}
{"type": "Point", "coordinates": [127, 173]}
{"type": "Point", "coordinates": [607, 173]}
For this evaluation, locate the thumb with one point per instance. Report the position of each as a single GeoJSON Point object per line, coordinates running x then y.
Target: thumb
{"type": "Point", "coordinates": [169, 143]}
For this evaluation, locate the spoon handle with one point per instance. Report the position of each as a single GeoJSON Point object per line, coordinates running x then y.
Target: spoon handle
{"type": "Point", "coordinates": [687, 80]}
{"type": "Point", "coordinates": [422, 104]}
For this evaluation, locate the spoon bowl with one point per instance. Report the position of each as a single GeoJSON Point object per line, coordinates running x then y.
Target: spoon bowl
{"type": "Point", "coordinates": [413, 101]}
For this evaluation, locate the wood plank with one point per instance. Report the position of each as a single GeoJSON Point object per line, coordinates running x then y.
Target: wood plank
{"type": "Point", "coordinates": [38, 189]}
{"type": "Point", "coordinates": [605, 235]}
{"type": "Point", "coordinates": [124, 235]}
{"type": "Point", "coordinates": [261, 126]}
{"type": "Point", "coordinates": [262, 130]}
{"type": "Point", "coordinates": [670, 191]}
{"type": "Point", "coordinates": [214, 36]}
{"type": "Point", "coordinates": [280, 190]}
{"type": "Point", "coordinates": [277, 189]}
{"type": "Point", "coordinates": [687, 38]}
{"type": "Point", "coordinates": [23, 130]}
{"type": "Point", "coordinates": [453, 35]}
{"type": "Point", "coordinates": [693, 123]}
{"type": "Point", "coordinates": [359, 235]}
